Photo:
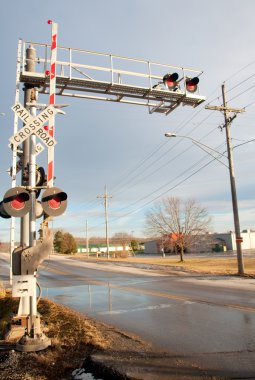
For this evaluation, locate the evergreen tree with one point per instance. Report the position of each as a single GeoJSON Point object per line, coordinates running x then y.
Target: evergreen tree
{"type": "Point", "coordinates": [64, 243]}
{"type": "Point", "coordinates": [58, 241]}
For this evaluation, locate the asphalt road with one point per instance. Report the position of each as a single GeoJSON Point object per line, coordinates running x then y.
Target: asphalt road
{"type": "Point", "coordinates": [210, 319]}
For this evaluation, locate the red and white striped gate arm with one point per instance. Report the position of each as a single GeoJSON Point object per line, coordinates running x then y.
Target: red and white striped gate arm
{"type": "Point", "coordinates": [53, 60]}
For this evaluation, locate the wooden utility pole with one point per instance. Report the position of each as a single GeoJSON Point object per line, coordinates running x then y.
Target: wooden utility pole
{"type": "Point", "coordinates": [106, 197]}
{"type": "Point", "coordinates": [228, 120]}
{"type": "Point", "coordinates": [87, 239]}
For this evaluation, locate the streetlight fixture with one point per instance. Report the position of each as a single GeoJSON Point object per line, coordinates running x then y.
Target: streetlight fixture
{"type": "Point", "coordinates": [230, 167]}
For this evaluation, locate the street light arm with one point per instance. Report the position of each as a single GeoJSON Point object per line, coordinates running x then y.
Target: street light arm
{"type": "Point", "coordinates": [201, 146]}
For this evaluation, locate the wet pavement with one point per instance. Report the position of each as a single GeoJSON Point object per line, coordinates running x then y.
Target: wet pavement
{"type": "Point", "coordinates": [209, 318]}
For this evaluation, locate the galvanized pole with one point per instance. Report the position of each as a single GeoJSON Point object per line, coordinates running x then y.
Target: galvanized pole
{"type": "Point", "coordinates": [233, 187]}
{"type": "Point", "coordinates": [30, 66]}
{"type": "Point", "coordinates": [24, 305]}
{"type": "Point", "coordinates": [32, 214]}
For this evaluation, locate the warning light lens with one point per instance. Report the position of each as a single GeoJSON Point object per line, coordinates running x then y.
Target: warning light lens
{"type": "Point", "coordinates": [18, 203]}
{"type": "Point", "coordinates": [191, 84]}
{"type": "Point", "coordinates": [55, 202]}
{"type": "Point", "coordinates": [170, 80]}
{"type": "Point", "coordinates": [47, 72]}
{"type": "Point", "coordinates": [49, 22]}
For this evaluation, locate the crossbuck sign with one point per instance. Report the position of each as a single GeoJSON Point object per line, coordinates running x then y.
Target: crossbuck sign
{"type": "Point", "coordinates": [33, 125]}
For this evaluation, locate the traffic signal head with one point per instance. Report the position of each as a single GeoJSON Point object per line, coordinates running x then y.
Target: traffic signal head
{"type": "Point", "coordinates": [191, 84]}
{"type": "Point", "coordinates": [16, 202]}
{"type": "Point", "coordinates": [170, 80]}
{"type": "Point", "coordinates": [54, 201]}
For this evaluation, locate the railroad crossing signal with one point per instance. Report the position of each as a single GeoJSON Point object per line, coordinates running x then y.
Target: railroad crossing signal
{"type": "Point", "coordinates": [33, 125]}
{"type": "Point", "coordinates": [54, 201]}
{"type": "Point", "coordinates": [170, 80]}
{"type": "Point", "coordinates": [16, 202]}
{"type": "Point", "coordinates": [191, 84]}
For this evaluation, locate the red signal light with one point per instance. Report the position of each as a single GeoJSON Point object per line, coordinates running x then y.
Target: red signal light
{"type": "Point", "coordinates": [16, 202]}
{"type": "Point", "coordinates": [19, 202]}
{"type": "Point", "coordinates": [170, 80]}
{"type": "Point", "coordinates": [54, 201]}
{"type": "Point", "coordinates": [47, 73]}
{"type": "Point", "coordinates": [191, 84]}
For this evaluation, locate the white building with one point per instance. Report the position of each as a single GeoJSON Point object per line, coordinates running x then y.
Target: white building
{"type": "Point", "coordinates": [230, 239]}
{"type": "Point", "coordinates": [224, 241]}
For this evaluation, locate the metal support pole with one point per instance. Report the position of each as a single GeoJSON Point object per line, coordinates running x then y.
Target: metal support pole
{"type": "Point", "coordinates": [32, 215]}
{"type": "Point", "coordinates": [233, 187]}
{"type": "Point", "coordinates": [24, 305]}
{"type": "Point", "coordinates": [33, 339]}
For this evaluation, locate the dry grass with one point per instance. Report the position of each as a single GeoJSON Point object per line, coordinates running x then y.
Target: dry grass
{"type": "Point", "coordinates": [211, 265]}
{"type": "Point", "coordinates": [2, 290]}
{"type": "Point", "coordinates": [69, 328]}
{"type": "Point", "coordinates": [73, 337]}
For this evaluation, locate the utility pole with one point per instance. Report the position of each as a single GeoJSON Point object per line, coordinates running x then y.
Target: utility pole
{"type": "Point", "coordinates": [106, 197]}
{"type": "Point", "coordinates": [228, 120]}
{"type": "Point", "coordinates": [87, 239]}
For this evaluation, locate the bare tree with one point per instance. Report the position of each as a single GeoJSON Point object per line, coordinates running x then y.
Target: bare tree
{"type": "Point", "coordinates": [122, 238]}
{"type": "Point", "coordinates": [179, 222]}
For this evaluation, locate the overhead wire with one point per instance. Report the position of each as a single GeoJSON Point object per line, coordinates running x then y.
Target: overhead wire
{"type": "Point", "coordinates": [179, 128]}
{"type": "Point", "coordinates": [162, 186]}
{"type": "Point", "coordinates": [159, 158]}
{"type": "Point", "coordinates": [180, 182]}
{"type": "Point", "coordinates": [165, 192]}
{"type": "Point", "coordinates": [165, 163]}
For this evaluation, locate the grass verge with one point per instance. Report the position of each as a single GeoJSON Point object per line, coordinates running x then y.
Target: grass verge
{"type": "Point", "coordinates": [206, 265]}
{"type": "Point", "coordinates": [73, 338]}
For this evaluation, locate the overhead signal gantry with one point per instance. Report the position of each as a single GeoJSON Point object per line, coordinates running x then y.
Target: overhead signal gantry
{"type": "Point", "coordinates": [113, 78]}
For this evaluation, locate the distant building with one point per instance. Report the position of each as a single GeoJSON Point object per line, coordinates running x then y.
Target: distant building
{"type": "Point", "coordinates": [208, 243]}
{"type": "Point", "coordinates": [93, 248]}
{"type": "Point", "coordinates": [230, 239]}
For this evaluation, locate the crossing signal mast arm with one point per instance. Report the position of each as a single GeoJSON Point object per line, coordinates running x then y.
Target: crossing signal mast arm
{"type": "Point", "coordinates": [160, 87]}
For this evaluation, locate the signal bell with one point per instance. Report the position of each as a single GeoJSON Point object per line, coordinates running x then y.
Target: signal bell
{"type": "Point", "coordinates": [16, 202]}
{"type": "Point", "coordinates": [54, 201]}
{"type": "Point", "coordinates": [170, 80]}
{"type": "Point", "coordinates": [191, 84]}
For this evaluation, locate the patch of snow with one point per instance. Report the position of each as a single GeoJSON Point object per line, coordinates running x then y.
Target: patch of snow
{"type": "Point", "coordinates": [80, 374]}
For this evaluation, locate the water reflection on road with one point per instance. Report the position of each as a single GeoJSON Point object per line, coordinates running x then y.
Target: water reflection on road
{"type": "Point", "coordinates": [95, 299]}
{"type": "Point", "coordinates": [174, 324]}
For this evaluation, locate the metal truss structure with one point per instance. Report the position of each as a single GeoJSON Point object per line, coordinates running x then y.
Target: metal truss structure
{"type": "Point", "coordinates": [111, 78]}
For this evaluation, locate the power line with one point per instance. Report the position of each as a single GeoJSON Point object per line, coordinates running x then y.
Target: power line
{"type": "Point", "coordinates": [165, 164]}
{"type": "Point", "coordinates": [241, 93]}
{"type": "Point", "coordinates": [175, 186]}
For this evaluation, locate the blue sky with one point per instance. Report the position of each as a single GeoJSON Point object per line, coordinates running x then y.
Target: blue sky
{"type": "Point", "coordinates": [123, 146]}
